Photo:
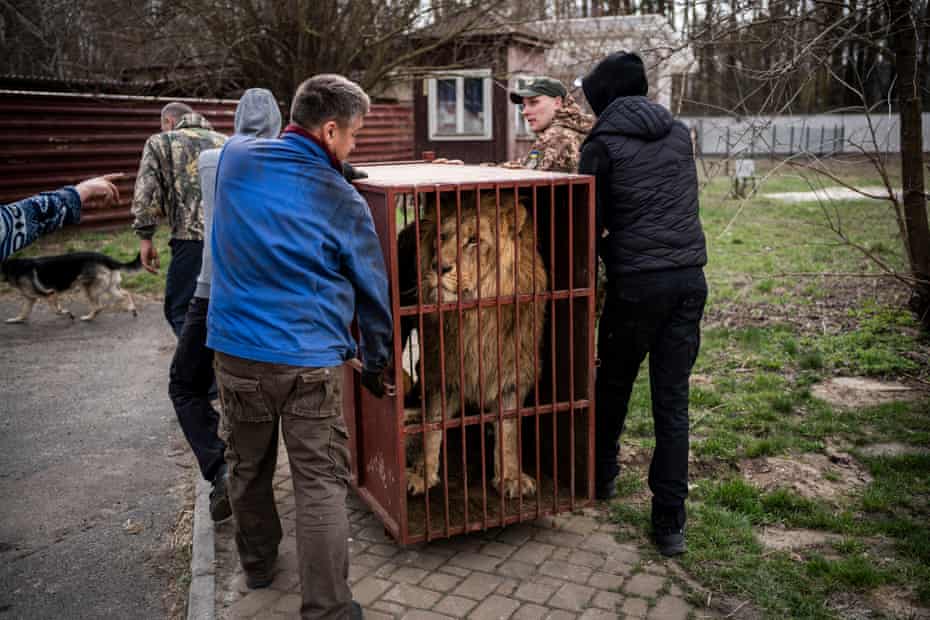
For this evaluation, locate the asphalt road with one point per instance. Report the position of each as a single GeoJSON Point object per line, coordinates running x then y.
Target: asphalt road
{"type": "Point", "coordinates": [88, 440]}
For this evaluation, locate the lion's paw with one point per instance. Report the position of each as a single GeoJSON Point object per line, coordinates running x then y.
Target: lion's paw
{"type": "Point", "coordinates": [512, 487]}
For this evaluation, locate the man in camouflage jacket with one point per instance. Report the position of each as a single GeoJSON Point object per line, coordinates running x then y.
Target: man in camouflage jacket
{"type": "Point", "coordinates": [168, 185]}
{"type": "Point", "coordinates": [559, 124]}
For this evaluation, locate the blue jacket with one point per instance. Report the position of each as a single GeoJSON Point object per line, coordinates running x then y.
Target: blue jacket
{"type": "Point", "coordinates": [23, 222]}
{"type": "Point", "coordinates": [295, 255]}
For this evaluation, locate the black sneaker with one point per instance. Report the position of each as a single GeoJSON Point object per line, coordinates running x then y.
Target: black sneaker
{"type": "Point", "coordinates": [220, 509]}
{"type": "Point", "coordinates": [670, 541]}
{"type": "Point", "coordinates": [258, 579]}
{"type": "Point", "coordinates": [356, 612]}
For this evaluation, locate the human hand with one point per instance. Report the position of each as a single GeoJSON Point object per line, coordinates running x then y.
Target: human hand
{"type": "Point", "coordinates": [149, 255]}
{"type": "Point", "coordinates": [99, 188]}
{"type": "Point", "coordinates": [511, 164]}
{"type": "Point", "coordinates": [373, 380]}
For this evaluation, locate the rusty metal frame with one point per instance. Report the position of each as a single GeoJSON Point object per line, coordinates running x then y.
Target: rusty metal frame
{"type": "Point", "coordinates": [559, 299]}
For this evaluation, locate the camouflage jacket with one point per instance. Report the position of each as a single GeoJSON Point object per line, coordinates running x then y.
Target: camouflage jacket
{"type": "Point", "coordinates": [558, 147]}
{"type": "Point", "coordinates": [168, 184]}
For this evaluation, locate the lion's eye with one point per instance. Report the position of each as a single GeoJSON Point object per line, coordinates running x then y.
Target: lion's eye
{"type": "Point", "coordinates": [472, 241]}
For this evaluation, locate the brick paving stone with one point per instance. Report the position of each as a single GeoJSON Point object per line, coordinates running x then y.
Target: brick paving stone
{"type": "Point", "coordinates": [598, 614]}
{"type": "Point", "coordinates": [507, 587]}
{"type": "Point", "coordinates": [388, 607]}
{"type": "Point", "coordinates": [572, 597]}
{"type": "Point", "coordinates": [670, 608]}
{"type": "Point", "coordinates": [440, 582]}
{"type": "Point", "coordinates": [605, 581]}
{"type": "Point", "coordinates": [495, 607]}
{"type": "Point", "coordinates": [675, 590]}
{"type": "Point", "coordinates": [368, 559]}
{"type": "Point", "coordinates": [559, 538]}
{"type": "Point", "coordinates": [635, 608]}
{"type": "Point", "coordinates": [455, 606]}
{"type": "Point", "coordinates": [369, 589]}
{"type": "Point", "coordinates": [254, 602]}
{"type": "Point", "coordinates": [580, 525]}
{"type": "Point", "coordinates": [498, 550]}
{"type": "Point", "coordinates": [357, 573]}
{"type": "Point", "coordinates": [655, 568]}
{"type": "Point", "coordinates": [288, 604]}
{"type": "Point", "coordinates": [387, 551]}
{"type": "Point", "coordinates": [412, 596]}
{"type": "Point", "coordinates": [478, 586]}
{"type": "Point", "coordinates": [286, 580]}
{"type": "Point", "coordinates": [386, 570]}
{"type": "Point", "coordinates": [374, 534]}
{"type": "Point", "coordinates": [530, 611]}
{"type": "Point", "coordinates": [587, 558]}
{"type": "Point", "coordinates": [409, 574]}
{"type": "Point", "coordinates": [419, 614]}
{"type": "Point", "coordinates": [563, 570]}
{"type": "Point", "coordinates": [515, 569]}
{"type": "Point", "coordinates": [377, 615]}
{"type": "Point", "coordinates": [458, 571]}
{"type": "Point", "coordinates": [474, 561]}
{"type": "Point", "coordinates": [516, 534]}
{"type": "Point", "coordinates": [533, 592]}
{"type": "Point", "coordinates": [355, 546]}
{"type": "Point", "coordinates": [600, 541]}
{"type": "Point", "coordinates": [419, 559]}
{"type": "Point", "coordinates": [644, 584]}
{"type": "Point", "coordinates": [561, 553]}
{"type": "Point", "coordinates": [561, 614]}
{"type": "Point", "coordinates": [533, 552]}
{"type": "Point", "coordinates": [608, 600]}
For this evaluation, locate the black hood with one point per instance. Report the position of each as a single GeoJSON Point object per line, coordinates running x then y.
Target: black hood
{"type": "Point", "coordinates": [621, 74]}
{"type": "Point", "coordinates": [636, 117]}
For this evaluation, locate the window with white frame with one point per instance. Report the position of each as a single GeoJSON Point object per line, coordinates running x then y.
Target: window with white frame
{"type": "Point", "coordinates": [460, 105]}
{"type": "Point", "coordinates": [521, 129]}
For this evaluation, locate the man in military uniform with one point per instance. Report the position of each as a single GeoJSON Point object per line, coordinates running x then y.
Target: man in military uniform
{"type": "Point", "coordinates": [559, 124]}
{"type": "Point", "coordinates": [168, 186]}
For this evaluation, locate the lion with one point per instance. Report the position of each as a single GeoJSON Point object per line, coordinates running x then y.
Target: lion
{"type": "Point", "coordinates": [477, 244]}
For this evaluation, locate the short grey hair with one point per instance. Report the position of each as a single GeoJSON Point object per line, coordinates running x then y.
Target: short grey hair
{"type": "Point", "coordinates": [328, 97]}
{"type": "Point", "coordinates": [175, 110]}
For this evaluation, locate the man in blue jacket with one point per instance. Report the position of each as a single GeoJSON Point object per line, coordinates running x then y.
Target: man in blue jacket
{"type": "Point", "coordinates": [652, 244]}
{"type": "Point", "coordinates": [295, 257]}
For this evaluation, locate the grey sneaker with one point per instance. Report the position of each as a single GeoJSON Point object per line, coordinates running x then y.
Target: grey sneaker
{"type": "Point", "coordinates": [670, 541]}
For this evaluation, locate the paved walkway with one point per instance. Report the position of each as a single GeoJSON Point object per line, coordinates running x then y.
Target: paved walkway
{"type": "Point", "coordinates": [557, 568]}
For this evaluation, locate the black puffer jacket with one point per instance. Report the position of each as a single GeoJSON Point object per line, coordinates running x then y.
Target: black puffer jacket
{"type": "Point", "coordinates": [647, 188]}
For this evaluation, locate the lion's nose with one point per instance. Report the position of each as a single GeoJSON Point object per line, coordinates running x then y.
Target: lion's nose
{"type": "Point", "coordinates": [445, 268]}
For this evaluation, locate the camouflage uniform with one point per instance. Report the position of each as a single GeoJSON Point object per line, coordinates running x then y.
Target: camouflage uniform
{"type": "Point", "coordinates": [558, 147]}
{"type": "Point", "coordinates": [168, 184]}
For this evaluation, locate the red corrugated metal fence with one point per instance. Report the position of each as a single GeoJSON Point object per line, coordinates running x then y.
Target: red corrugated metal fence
{"type": "Point", "coordinates": [52, 139]}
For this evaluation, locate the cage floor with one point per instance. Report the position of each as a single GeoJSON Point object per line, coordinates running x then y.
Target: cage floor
{"type": "Point", "coordinates": [416, 506]}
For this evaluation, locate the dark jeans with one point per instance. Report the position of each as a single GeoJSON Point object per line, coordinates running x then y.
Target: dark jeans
{"type": "Point", "coordinates": [306, 403]}
{"type": "Point", "coordinates": [190, 388]}
{"type": "Point", "coordinates": [181, 280]}
{"type": "Point", "coordinates": [658, 314]}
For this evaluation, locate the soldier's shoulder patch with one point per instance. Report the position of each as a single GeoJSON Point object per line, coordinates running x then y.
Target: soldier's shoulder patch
{"type": "Point", "coordinates": [532, 159]}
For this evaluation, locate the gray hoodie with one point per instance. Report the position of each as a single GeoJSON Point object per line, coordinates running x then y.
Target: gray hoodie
{"type": "Point", "coordinates": [256, 115]}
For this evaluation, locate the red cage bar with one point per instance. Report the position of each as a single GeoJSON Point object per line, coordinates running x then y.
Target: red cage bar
{"type": "Point", "coordinates": [492, 281]}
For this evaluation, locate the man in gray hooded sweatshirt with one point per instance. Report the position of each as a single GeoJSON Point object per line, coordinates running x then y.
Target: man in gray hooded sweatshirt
{"type": "Point", "coordinates": [192, 377]}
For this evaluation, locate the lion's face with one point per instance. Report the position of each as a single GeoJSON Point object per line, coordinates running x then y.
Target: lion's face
{"type": "Point", "coordinates": [472, 250]}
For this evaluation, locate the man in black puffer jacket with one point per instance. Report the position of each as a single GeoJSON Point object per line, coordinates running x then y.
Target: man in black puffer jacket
{"type": "Point", "coordinates": [651, 241]}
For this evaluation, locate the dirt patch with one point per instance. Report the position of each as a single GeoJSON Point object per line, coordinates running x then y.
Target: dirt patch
{"type": "Point", "coordinates": [855, 392]}
{"type": "Point", "coordinates": [828, 313]}
{"type": "Point", "coordinates": [815, 476]}
{"type": "Point", "coordinates": [784, 539]}
{"type": "Point", "coordinates": [892, 448]}
{"type": "Point", "coordinates": [898, 603]}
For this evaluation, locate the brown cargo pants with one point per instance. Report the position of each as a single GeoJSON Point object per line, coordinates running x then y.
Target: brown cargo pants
{"type": "Point", "coordinates": [307, 402]}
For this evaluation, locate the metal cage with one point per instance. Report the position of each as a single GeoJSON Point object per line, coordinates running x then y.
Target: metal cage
{"type": "Point", "coordinates": [476, 254]}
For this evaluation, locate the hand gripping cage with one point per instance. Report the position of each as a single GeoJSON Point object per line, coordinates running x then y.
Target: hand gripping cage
{"type": "Point", "coordinates": [492, 282]}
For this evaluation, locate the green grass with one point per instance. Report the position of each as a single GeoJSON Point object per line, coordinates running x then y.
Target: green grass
{"type": "Point", "coordinates": [759, 404]}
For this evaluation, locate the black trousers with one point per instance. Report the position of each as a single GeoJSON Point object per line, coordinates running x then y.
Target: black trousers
{"type": "Point", "coordinates": [658, 314]}
{"type": "Point", "coordinates": [190, 387]}
{"type": "Point", "coordinates": [181, 281]}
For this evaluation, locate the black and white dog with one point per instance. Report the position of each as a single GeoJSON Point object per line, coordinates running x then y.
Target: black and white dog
{"type": "Point", "coordinates": [43, 278]}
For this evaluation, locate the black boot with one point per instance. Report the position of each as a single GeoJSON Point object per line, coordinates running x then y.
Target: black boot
{"type": "Point", "coordinates": [668, 529]}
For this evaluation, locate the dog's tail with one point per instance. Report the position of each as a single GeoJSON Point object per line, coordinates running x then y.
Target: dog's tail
{"type": "Point", "coordinates": [133, 265]}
